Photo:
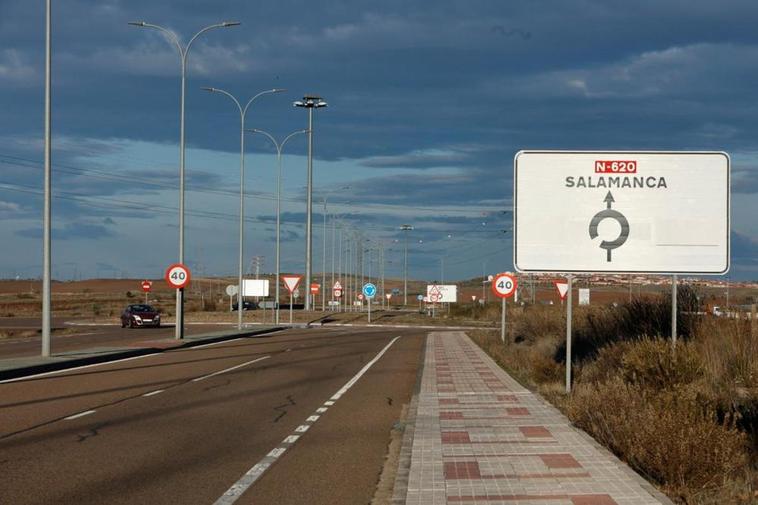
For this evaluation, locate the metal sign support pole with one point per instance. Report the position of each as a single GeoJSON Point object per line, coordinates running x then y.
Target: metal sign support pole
{"type": "Point", "coordinates": [502, 322]}
{"type": "Point", "coordinates": [673, 310]}
{"type": "Point", "coordinates": [369, 310]}
{"type": "Point", "coordinates": [568, 333]}
{"type": "Point", "coordinates": [290, 307]}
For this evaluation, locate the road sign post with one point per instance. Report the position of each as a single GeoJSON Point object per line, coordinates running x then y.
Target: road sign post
{"type": "Point", "coordinates": [146, 286]}
{"type": "Point", "coordinates": [178, 276]}
{"type": "Point", "coordinates": [664, 213]}
{"type": "Point", "coordinates": [569, 314]}
{"type": "Point", "coordinates": [504, 286]}
{"type": "Point", "coordinates": [369, 291]}
{"type": "Point", "coordinates": [291, 282]}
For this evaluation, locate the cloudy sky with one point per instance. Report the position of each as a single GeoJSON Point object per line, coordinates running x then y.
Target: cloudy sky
{"type": "Point", "coordinates": [428, 103]}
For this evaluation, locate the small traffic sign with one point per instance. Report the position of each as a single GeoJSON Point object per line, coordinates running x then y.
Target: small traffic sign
{"type": "Point", "coordinates": [314, 288]}
{"type": "Point", "coordinates": [177, 276]}
{"type": "Point", "coordinates": [296, 294]}
{"type": "Point", "coordinates": [473, 298]}
{"type": "Point", "coordinates": [337, 293]}
{"type": "Point", "coordinates": [369, 290]}
{"type": "Point", "coordinates": [504, 285]}
{"type": "Point", "coordinates": [562, 287]}
{"type": "Point", "coordinates": [146, 286]}
{"type": "Point", "coordinates": [360, 296]}
{"type": "Point", "coordinates": [231, 290]}
{"type": "Point", "coordinates": [420, 298]}
{"type": "Point", "coordinates": [337, 285]}
{"type": "Point", "coordinates": [388, 295]}
{"type": "Point", "coordinates": [291, 282]}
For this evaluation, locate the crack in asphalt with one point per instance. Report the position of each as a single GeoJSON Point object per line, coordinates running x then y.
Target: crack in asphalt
{"type": "Point", "coordinates": [283, 408]}
{"type": "Point", "coordinates": [93, 432]}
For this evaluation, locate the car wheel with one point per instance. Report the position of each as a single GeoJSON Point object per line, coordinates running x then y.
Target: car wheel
{"type": "Point", "coordinates": [132, 324]}
{"type": "Point", "coordinates": [123, 324]}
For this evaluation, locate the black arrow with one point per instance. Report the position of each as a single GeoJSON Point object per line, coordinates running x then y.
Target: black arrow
{"type": "Point", "coordinates": [609, 200]}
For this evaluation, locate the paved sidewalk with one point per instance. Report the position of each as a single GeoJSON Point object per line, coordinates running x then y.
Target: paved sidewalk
{"type": "Point", "coordinates": [480, 437]}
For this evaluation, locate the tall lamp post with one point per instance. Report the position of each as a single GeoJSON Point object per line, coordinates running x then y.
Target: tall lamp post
{"type": "Point", "coordinates": [323, 263]}
{"type": "Point", "coordinates": [243, 115]}
{"type": "Point", "coordinates": [309, 102]}
{"type": "Point", "coordinates": [183, 52]}
{"type": "Point", "coordinates": [279, 147]}
{"type": "Point", "coordinates": [406, 228]}
{"type": "Point", "coordinates": [46, 213]}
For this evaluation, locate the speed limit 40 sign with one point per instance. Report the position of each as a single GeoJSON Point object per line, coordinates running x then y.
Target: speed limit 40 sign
{"type": "Point", "coordinates": [177, 276]}
{"type": "Point", "coordinates": [504, 285]}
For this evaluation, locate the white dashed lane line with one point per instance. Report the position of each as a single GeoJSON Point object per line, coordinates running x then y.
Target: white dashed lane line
{"type": "Point", "coordinates": [153, 393]}
{"type": "Point", "coordinates": [252, 475]}
{"type": "Point", "coordinates": [80, 414]}
{"type": "Point", "coordinates": [229, 369]}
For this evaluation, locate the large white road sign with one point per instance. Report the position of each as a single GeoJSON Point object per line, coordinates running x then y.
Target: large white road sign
{"type": "Point", "coordinates": [621, 212]}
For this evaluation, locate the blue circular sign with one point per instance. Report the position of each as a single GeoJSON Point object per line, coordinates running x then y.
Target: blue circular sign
{"type": "Point", "coordinates": [369, 290]}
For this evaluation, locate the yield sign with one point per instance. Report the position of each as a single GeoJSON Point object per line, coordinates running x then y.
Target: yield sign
{"type": "Point", "coordinates": [337, 285]}
{"type": "Point", "coordinates": [291, 281]}
{"type": "Point", "coordinates": [562, 287]}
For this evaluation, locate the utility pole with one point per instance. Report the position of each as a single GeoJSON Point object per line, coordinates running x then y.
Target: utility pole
{"type": "Point", "coordinates": [406, 228]}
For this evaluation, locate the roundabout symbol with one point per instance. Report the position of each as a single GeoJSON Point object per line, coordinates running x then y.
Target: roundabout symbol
{"type": "Point", "coordinates": [610, 245]}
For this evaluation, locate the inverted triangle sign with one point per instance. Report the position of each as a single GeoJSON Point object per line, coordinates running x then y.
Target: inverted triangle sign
{"type": "Point", "coordinates": [291, 281]}
{"type": "Point", "coordinates": [562, 287]}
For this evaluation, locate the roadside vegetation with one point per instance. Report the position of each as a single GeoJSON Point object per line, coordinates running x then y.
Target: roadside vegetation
{"type": "Point", "coordinates": [685, 418]}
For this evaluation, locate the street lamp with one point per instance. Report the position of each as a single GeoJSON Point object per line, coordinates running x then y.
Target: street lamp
{"type": "Point", "coordinates": [279, 147]}
{"type": "Point", "coordinates": [406, 228]}
{"type": "Point", "coordinates": [323, 266]}
{"type": "Point", "coordinates": [309, 102]}
{"type": "Point", "coordinates": [183, 52]}
{"type": "Point", "coordinates": [243, 114]}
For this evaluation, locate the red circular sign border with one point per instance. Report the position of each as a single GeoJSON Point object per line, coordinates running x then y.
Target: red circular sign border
{"type": "Point", "coordinates": [494, 283]}
{"type": "Point", "coordinates": [177, 286]}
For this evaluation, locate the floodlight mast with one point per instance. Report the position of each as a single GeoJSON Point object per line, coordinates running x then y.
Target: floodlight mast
{"type": "Point", "coordinates": [309, 102]}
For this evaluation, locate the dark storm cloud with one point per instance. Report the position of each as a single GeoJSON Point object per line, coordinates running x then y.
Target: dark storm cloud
{"type": "Point", "coordinates": [444, 91]}
{"type": "Point", "coordinates": [72, 231]}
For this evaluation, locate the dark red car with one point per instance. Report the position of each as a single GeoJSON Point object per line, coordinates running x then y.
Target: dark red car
{"type": "Point", "coordinates": [140, 315]}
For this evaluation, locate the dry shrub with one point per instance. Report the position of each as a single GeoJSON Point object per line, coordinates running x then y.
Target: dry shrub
{"type": "Point", "coordinates": [666, 435]}
{"type": "Point", "coordinates": [538, 322]}
{"type": "Point", "coordinates": [729, 352]}
{"type": "Point", "coordinates": [653, 363]}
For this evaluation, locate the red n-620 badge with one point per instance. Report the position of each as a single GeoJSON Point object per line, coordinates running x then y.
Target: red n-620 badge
{"type": "Point", "coordinates": [615, 167]}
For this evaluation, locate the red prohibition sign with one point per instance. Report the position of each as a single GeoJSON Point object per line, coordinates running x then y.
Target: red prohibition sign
{"type": "Point", "coordinates": [177, 276]}
{"type": "Point", "coordinates": [504, 285]}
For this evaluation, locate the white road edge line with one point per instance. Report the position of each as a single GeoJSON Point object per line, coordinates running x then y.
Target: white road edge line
{"type": "Point", "coordinates": [27, 377]}
{"type": "Point", "coordinates": [252, 475]}
{"type": "Point", "coordinates": [215, 343]}
{"type": "Point", "coordinates": [80, 414]}
{"type": "Point", "coordinates": [229, 369]}
{"type": "Point", "coordinates": [153, 393]}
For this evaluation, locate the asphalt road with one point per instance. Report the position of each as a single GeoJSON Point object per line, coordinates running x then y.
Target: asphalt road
{"type": "Point", "coordinates": [68, 337]}
{"type": "Point", "coordinates": [184, 426]}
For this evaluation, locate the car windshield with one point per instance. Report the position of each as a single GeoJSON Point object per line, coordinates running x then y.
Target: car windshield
{"type": "Point", "coordinates": [142, 308]}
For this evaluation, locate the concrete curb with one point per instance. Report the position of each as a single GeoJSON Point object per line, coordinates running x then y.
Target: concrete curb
{"type": "Point", "coordinates": [62, 362]}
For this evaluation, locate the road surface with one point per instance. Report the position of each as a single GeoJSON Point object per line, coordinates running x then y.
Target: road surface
{"type": "Point", "coordinates": [185, 426]}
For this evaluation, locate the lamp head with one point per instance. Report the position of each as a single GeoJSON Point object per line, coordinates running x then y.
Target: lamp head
{"type": "Point", "coordinates": [227, 24]}
{"type": "Point", "coordinates": [137, 23]}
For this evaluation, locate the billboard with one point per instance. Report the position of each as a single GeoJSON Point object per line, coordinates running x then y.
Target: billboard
{"type": "Point", "coordinates": [621, 212]}
{"type": "Point", "coordinates": [442, 293]}
{"type": "Point", "coordinates": [255, 287]}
